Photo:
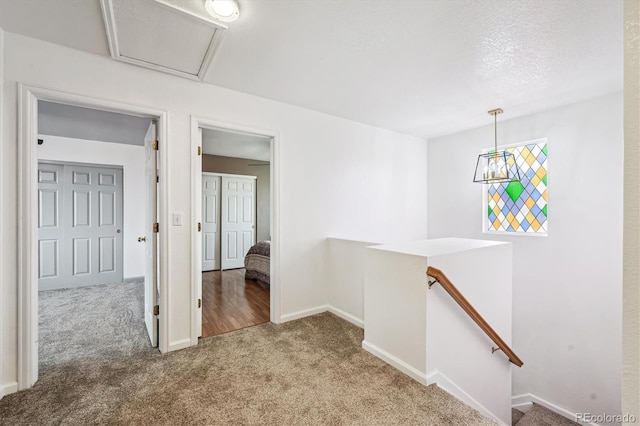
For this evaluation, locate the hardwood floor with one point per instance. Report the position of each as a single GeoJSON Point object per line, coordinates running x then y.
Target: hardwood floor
{"type": "Point", "coordinates": [229, 302]}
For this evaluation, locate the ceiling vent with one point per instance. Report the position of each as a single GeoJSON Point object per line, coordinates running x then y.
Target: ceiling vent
{"type": "Point", "coordinates": [172, 36]}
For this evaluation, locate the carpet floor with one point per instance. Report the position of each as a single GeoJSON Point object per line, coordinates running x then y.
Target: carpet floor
{"type": "Point", "coordinates": [541, 416]}
{"type": "Point", "coordinates": [95, 322]}
{"type": "Point", "coordinates": [305, 372]}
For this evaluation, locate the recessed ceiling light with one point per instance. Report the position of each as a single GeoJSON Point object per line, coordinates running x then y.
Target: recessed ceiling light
{"type": "Point", "coordinates": [223, 10]}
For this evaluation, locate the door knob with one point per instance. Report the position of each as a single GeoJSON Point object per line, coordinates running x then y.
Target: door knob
{"type": "Point", "coordinates": [142, 239]}
{"type": "Point", "coordinates": [118, 231]}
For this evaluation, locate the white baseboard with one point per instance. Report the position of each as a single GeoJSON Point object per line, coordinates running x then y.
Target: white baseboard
{"type": "Point", "coordinates": [320, 309]}
{"type": "Point", "coordinates": [304, 313]}
{"type": "Point", "coordinates": [410, 371]}
{"type": "Point", "coordinates": [7, 388]}
{"type": "Point", "coordinates": [346, 316]}
{"type": "Point", "coordinates": [524, 402]}
{"type": "Point", "coordinates": [180, 344]}
{"type": "Point", "coordinates": [446, 384]}
{"type": "Point", "coordinates": [435, 376]}
{"type": "Point", "coordinates": [133, 280]}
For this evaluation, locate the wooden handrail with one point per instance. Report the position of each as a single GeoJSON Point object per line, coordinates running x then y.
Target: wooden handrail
{"type": "Point", "coordinates": [470, 310]}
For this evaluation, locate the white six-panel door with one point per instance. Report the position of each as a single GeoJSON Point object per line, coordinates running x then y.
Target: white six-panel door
{"type": "Point", "coordinates": [210, 222]}
{"type": "Point", "coordinates": [238, 222]}
{"type": "Point", "coordinates": [151, 287]}
{"type": "Point", "coordinates": [80, 225]}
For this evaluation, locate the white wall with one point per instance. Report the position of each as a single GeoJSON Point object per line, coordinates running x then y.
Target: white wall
{"type": "Point", "coordinates": [345, 261]}
{"type": "Point", "coordinates": [424, 333]}
{"type": "Point", "coordinates": [631, 310]}
{"type": "Point", "coordinates": [7, 307]}
{"type": "Point", "coordinates": [132, 160]}
{"type": "Point", "coordinates": [567, 286]}
{"type": "Point", "coordinates": [337, 177]}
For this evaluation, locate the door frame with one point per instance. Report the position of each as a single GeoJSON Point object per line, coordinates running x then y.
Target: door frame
{"type": "Point", "coordinates": [196, 216]}
{"type": "Point", "coordinates": [28, 97]}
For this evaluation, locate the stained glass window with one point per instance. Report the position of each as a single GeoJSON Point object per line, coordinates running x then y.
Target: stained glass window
{"type": "Point", "coordinates": [521, 206]}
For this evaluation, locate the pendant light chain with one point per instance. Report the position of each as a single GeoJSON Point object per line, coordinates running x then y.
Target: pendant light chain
{"type": "Point", "coordinates": [495, 131]}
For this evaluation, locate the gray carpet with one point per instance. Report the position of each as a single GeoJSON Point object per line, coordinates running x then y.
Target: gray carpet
{"type": "Point", "coordinates": [305, 372]}
{"type": "Point", "coordinates": [541, 416]}
{"type": "Point", "coordinates": [101, 322]}
{"type": "Point", "coordinates": [516, 416]}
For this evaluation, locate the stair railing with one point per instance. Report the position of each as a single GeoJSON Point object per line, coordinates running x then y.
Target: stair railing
{"type": "Point", "coordinates": [439, 277]}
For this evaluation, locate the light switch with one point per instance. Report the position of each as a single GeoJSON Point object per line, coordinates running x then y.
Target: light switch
{"type": "Point", "coordinates": [177, 219]}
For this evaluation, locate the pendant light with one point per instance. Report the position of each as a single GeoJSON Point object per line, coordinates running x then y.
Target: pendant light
{"type": "Point", "coordinates": [496, 166]}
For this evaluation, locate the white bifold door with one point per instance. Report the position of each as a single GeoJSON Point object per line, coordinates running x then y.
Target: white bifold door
{"type": "Point", "coordinates": [228, 220]}
{"type": "Point", "coordinates": [80, 219]}
{"type": "Point", "coordinates": [210, 222]}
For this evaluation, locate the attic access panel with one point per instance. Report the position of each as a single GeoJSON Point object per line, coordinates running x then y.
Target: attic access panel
{"type": "Point", "coordinates": [155, 35]}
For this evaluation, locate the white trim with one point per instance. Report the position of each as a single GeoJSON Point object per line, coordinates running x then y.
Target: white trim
{"type": "Point", "coordinates": [229, 175]}
{"type": "Point", "coordinates": [196, 239]}
{"type": "Point", "coordinates": [164, 249]}
{"type": "Point", "coordinates": [346, 316]}
{"type": "Point", "coordinates": [407, 369]}
{"type": "Point", "coordinates": [196, 213]}
{"type": "Point", "coordinates": [28, 97]}
{"type": "Point", "coordinates": [180, 344]}
{"type": "Point", "coordinates": [443, 382]}
{"type": "Point", "coordinates": [523, 402]}
{"type": "Point", "coordinates": [304, 313]}
{"type": "Point", "coordinates": [434, 376]}
{"type": "Point", "coordinates": [320, 309]}
{"type": "Point", "coordinates": [7, 388]}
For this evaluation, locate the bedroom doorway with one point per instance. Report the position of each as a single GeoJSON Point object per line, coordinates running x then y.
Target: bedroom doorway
{"type": "Point", "coordinates": [234, 240]}
{"type": "Point", "coordinates": [91, 270]}
{"type": "Point", "coordinates": [37, 145]}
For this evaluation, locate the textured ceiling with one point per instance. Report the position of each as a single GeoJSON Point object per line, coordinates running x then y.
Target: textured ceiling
{"type": "Point", "coordinates": [72, 23]}
{"type": "Point", "coordinates": [421, 67]}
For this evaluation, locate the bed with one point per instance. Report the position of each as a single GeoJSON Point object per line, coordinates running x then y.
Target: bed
{"type": "Point", "coordinates": [257, 262]}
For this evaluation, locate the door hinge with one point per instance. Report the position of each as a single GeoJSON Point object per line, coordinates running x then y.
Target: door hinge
{"type": "Point", "coordinates": [155, 145]}
{"type": "Point", "coordinates": [199, 151]}
{"type": "Point", "coordinates": [199, 303]}
{"type": "Point", "coordinates": [156, 227]}
{"type": "Point", "coordinates": [199, 227]}
{"type": "Point", "coordinates": [156, 310]}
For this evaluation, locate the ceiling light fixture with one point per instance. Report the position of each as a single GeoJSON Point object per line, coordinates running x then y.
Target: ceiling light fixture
{"type": "Point", "coordinates": [223, 10]}
{"type": "Point", "coordinates": [496, 166]}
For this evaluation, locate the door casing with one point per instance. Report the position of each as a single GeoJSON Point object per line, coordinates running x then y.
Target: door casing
{"type": "Point", "coordinates": [196, 211]}
{"type": "Point", "coordinates": [28, 97]}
